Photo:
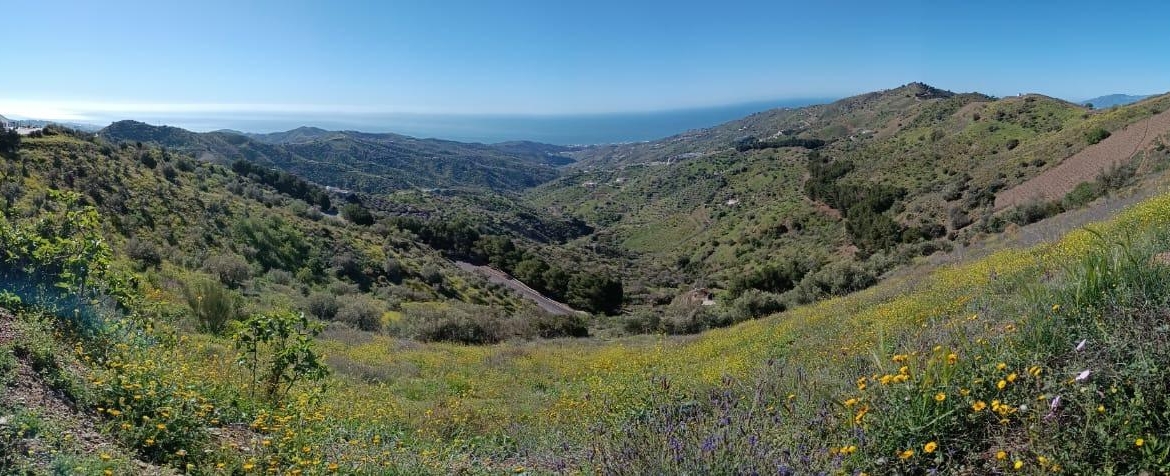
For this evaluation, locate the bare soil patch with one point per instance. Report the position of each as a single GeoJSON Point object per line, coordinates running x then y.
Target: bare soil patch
{"type": "Point", "coordinates": [1086, 165]}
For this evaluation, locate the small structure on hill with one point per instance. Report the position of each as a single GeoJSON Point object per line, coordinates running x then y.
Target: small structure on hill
{"type": "Point", "coordinates": [697, 297]}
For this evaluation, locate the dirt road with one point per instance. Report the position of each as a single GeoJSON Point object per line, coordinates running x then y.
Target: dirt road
{"type": "Point", "coordinates": [500, 277]}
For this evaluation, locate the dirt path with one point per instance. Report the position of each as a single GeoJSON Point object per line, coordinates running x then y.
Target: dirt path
{"type": "Point", "coordinates": [500, 277]}
{"type": "Point", "coordinates": [1086, 165]}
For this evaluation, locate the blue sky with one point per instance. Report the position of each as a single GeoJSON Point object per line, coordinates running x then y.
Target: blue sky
{"type": "Point", "coordinates": [558, 57]}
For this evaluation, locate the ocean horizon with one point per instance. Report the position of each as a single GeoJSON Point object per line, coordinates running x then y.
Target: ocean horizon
{"type": "Point", "coordinates": [583, 129]}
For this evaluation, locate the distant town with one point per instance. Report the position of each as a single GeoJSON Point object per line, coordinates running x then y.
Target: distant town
{"type": "Point", "coordinates": [23, 128]}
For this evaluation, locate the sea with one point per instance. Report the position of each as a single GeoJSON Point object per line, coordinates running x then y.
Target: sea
{"type": "Point", "coordinates": [551, 129]}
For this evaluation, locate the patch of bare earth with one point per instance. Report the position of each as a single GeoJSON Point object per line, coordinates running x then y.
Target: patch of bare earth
{"type": "Point", "coordinates": [1086, 165]}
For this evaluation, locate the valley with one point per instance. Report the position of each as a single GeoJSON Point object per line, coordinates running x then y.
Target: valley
{"type": "Point", "coordinates": [898, 284]}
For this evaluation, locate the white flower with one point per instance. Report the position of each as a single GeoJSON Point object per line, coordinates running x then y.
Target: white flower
{"type": "Point", "coordinates": [1083, 376]}
{"type": "Point", "coordinates": [1081, 345]}
{"type": "Point", "coordinates": [1055, 403]}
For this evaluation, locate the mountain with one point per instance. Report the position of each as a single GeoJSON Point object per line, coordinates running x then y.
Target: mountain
{"type": "Point", "coordinates": [1111, 100]}
{"type": "Point", "coordinates": [362, 161]}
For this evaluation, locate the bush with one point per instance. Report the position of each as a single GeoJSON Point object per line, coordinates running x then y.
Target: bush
{"type": "Point", "coordinates": [231, 269]}
{"type": "Point", "coordinates": [322, 305]}
{"type": "Point", "coordinates": [1080, 196]}
{"type": "Point", "coordinates": [144, 252]}
{"type": "Point", "coordinates": [214, 305]}
{"type": "Point", "coordinates": [643, 321]}
{"type": "Point", "coordinates": [595, 293]}
{"type": "Point", "coordinates": [1096, 135]}
{"type": "Point", "coordinates": [361, 312]}
{"type": "Point", "coordinates": [698, 319]}
{"type": "Point", "coordinates": [754, 303]}
{"type": "Point", "coordinates": [278, 349]}
{"type": "Point", "coordinates": [464, 324]}
{"type": "Point", "coordinates": [357, 214]}
{"type": "Point", "coordinates": [548, 326]}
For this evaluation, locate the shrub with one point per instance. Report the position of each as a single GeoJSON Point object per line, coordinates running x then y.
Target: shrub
{"type": "Point", "coordinates": [144, 252]}
{"type": "Point", "coordinates": [1080, 196]}
{"type": "Point", "coordinates": [214, 305]}
{"type": "Point", "coordinates": [549, 326]}
{"type": "Point", "coordinates": [322, 305]}
{"type": "Point", "coordinates": [361, 312]}
{"type": "Point", "coordinates": [231, 269]}
{"type": "Point", "coordinates": [278, 351]}
{"type": "Point", "coordinates": [451, 323]}
{"type": "Point", "coordinates": [357, 214]}
{"type": "Point", "coordinates": [754, 303]}
{"type": "Point", "coordinates": [643, 321]}
{"type": "Point", "coordinates": [1096, 135]}
{"type": "Point", "coordinates": [595, 293]}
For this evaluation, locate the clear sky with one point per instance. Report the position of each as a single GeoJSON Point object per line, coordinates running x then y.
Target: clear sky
{"type": "Point", "coordinates": [558, 57]}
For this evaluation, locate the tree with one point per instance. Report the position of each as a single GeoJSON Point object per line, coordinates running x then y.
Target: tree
{"type": "Point", "coordinates": [9, 143]}
{"type": "Point", "coordinates": [596, 293]}
{"type": "Point", "coordinates": [277, 350]}
{"type": "Point", "coordinates": [357, 214]}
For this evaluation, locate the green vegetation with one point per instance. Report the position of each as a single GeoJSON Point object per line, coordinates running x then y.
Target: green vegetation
{"type": "Point", "coordinates": [750, 143]}
{"type": "Point", "coordinates": [1096, 135]}
{"type": "Point", "coordinates": [357, 161]}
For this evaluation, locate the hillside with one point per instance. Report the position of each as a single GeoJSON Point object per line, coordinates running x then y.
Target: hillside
{"type": "Point", "coordinates": [800, 204]}
{"type": "Point", "coordinates": [361, 161]}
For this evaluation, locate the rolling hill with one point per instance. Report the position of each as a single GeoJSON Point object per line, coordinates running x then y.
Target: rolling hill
{"type": "Point", "coordinates": [827, 199]}
{"type": "Point", "coordinates": [362, 161]}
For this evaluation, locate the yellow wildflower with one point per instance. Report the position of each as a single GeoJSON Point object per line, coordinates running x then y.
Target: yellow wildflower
{"type": "Point", "coordinates": [930, 447]}
{"type": "Point", "coordinates": [1001, 455]}
{"type": "Point", "coordinates": [906, 454]}
{"type": "Point", "coordinates": [1000, 384]}
{"type": "Point", "coordinates": [940, 397]}
{"type": "Point", "coordinates": [1139, 442]}
{"type": "Point", "coordinates": [978, 406]}
{"type": "Point", "coordinates": [1018, 464]}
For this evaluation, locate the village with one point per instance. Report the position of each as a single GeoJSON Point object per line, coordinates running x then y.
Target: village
{"type": "Point", "coordinates": [22, 128]}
